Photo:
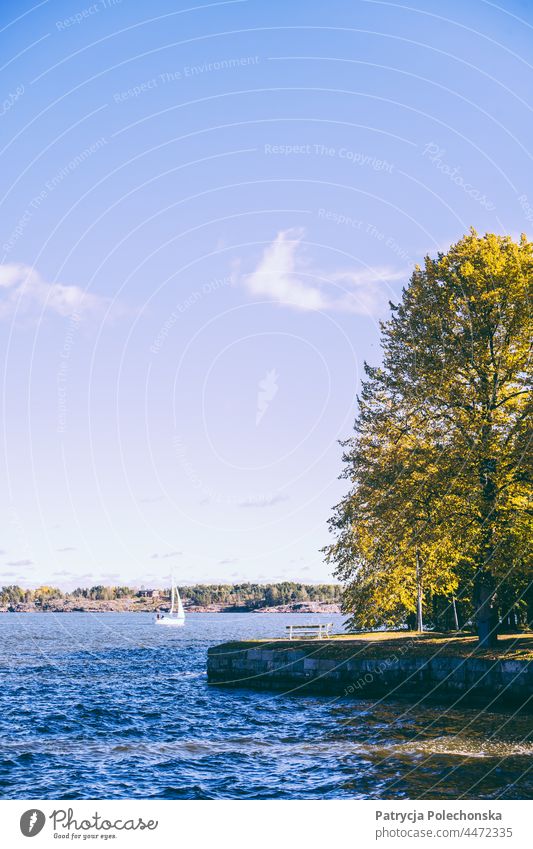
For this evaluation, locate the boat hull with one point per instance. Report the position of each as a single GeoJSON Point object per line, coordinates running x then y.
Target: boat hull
{"type": "Point", "coordinates": [168, 620]}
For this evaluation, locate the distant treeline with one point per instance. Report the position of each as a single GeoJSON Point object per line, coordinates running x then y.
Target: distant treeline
{"type": "Point", "coordinates": [261, 595]}
{"type": "Point", "coordinates": [14, 594]}
{"type": "Point", "coordinates": [240, 595]}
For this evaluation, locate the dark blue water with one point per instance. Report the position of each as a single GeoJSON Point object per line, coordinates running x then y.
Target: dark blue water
{"type": "Point", "coordinates": [109, 706]}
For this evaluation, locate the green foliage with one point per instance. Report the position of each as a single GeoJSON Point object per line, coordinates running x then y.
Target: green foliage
{"type": "Point", "coordinates": [254, 596]}
{"type": "Point", "coordinates": [249, 596]}
{"type": "Point", "coordinates": [102, 593]}
{"type": "Point", "coordinates": [17, 595]}
{"type": "Point", "coordinates": [13, 595]}
{"type": "Point", "coordinates": [439, 465]}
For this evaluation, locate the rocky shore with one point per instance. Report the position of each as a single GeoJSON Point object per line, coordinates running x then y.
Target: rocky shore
{"type": "Point", "coordinates": [302, 607]}
{"type": "Point", "coordinates": [142, 605]}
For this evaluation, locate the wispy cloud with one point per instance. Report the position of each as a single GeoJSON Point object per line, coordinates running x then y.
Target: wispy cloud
{"type": "Point", "coordinates": [22, 288]}
{"type": "Point", "coordinates": [261, 501]}
{"type": "Point", "coordinates": [282, 275]}
{"type": "Point", "coordinates": [20, 563]}
{"type": "Point", "coordinates": [67, 548]}
{"type": "Point", "coordinates": [157, 556]}
{"type": "Point", "coordinates": [275, 276]}
{"type": "Point", "coordinates": [366, 292]}
{"type": "Point", "coordinates": [228, 561]}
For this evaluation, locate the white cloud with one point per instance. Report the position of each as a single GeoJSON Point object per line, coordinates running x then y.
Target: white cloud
{"type": "Point", "coordinates": [366, 292]}
{"type": "Point", "coordinates": [275, 276]}
{"type": "Point", "coordinates": [23, 289]}
{"type": "Point", "coordinates": [281, 276]}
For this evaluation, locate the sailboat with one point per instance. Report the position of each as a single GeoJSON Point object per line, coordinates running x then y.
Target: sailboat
{"type": "Point", "coordinates": [176, 614]}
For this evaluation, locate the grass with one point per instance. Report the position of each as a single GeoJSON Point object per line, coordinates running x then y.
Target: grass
{"type": "Point", "coordinates": [517, 646]}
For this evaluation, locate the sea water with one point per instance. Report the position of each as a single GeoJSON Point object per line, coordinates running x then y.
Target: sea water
{"type": "Point", "coordinates": [109, 706]}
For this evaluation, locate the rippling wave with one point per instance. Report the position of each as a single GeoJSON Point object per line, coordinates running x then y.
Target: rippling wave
{"type": "Point", "coordinates": [108, 706]}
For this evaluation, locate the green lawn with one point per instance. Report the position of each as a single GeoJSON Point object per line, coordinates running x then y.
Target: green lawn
{"type": "Point", "coordinates": [414, 643]}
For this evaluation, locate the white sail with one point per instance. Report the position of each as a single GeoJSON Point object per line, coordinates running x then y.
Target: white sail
{"type": "Point", "coordinates": [176, 614]}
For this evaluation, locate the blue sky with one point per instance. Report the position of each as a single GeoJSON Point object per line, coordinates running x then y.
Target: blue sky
{"type": "Point", "coordinates": [205, 212]}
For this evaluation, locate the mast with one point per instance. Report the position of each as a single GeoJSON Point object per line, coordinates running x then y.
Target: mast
{"type": "Point", "coordinates": [172, 592]}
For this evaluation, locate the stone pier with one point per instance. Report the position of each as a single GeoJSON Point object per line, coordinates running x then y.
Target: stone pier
{"type": "Point", "coordinates": [389, 668]}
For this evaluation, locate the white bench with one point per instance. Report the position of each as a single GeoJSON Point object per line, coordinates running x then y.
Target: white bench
{"type": "Point", "coordinates": [323, 629]}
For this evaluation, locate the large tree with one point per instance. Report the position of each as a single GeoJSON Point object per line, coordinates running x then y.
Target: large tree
{"type": "Point", "coordinates": [440, 466]}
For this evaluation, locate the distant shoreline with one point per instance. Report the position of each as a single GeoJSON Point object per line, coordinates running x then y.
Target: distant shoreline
{"type": "Point", "coordinates": [131, 606]}
{"type": "Point", "coordinates": [284, 597]}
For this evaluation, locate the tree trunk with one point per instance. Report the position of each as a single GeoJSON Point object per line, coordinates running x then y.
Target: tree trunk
{"type": "Point", "coordinates": [455, 617]}
{"type": "Point", "coordinates": [484, 585]}
{"type": "Point", "coordinates": [419, 618]}
{"type": "Point", "coordinates": [486, 616]}
{"type": "Point", "coordinates": [411, 621]}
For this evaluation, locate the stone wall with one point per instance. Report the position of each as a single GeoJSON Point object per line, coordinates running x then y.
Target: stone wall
{"type": "Point", "coordinates": [344, 669]}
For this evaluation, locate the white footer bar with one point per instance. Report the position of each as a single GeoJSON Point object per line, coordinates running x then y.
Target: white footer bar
{"type": "Point", "coordinates": [264, 824]}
